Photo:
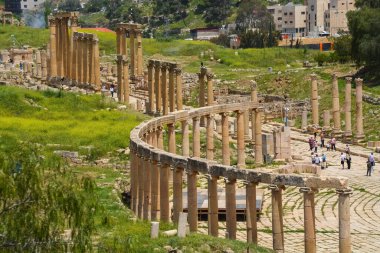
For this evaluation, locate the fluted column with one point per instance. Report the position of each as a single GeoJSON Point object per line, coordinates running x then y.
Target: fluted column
{"type": "Point", "coordinates": [344, 220]}
{"type": "Point", "coordinates": [178, 72]}
{"type": "Point", "coordinates": [336, 107]}
{"type": "Point", "coordinates": [185, 138]}
{"type": "Point", "coordinates": [120, 79]}
{"type": "Point", "coordinates": [164, 193]}
{"type": "Point", "coordinates": [258, 138]}
{"type": "Point", "coordinates": [164, 88]}
{"type": "Point", "coordinates": [314, 99]}
{"type": "Point", "coordinates": [196, 137]}
{"type": "Point", "coordinates": [157, 86]}
{"type": "Point", "coordinates": [139, 53]}
{"type": "Point", "coordinates": [132, 52]}
{"type": "Point", "coordinates": [210, 88]}
{"type": "Point", "coordinates": [251, 212]}
{"type": "Point", "coordinates": [171, 87]}
{"type": "Point", "coordinates": [277, 221]}
{"type": "Point", "coordinates": [210, 137]}
{"type": "Point", "coordinates": [126, 88]}
{"type": "Point", "coordinates": [177, 193]}
{"type": "Point", "coordinates": [231, 208]}
{"type": "Point", "coordinates": [309, 219]}
{"type": "Point", "coordinates": [225, 139]}
{"type": "Point", "coordinates": [150, 86]}
{"type": "Point", "coordinates": [359, 110]}
{"type": "Point", "coordinates": [347, 109]}
{"type": "Point", "coordinates": [147, 189]}
{"type": "Point", "coordinates": [213, 206]}
{"type": "Point", "coordinates": [240, 139]}
{"type": "Point", "coordinates": [192, 200]}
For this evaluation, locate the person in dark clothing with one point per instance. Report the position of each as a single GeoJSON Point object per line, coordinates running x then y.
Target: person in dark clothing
{"type": "Point", "coordinates": [348, 160]}
{"type": "Point", "coordinates": [369, 168]}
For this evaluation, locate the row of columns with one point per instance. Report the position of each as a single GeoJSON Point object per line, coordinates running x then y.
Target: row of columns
{"type": "Point", "coordinates": [359, 135]}
{"type": "Point", "coordinates": [164, 87]}
{"type": "Point", "coordinates": [85, 66]}
{"type": "Point", "coordinates": [62, 26]}
{"type": "Point", "coordinates": [134, 31]}
{"type": "Point", "coordinates": [150, 201]}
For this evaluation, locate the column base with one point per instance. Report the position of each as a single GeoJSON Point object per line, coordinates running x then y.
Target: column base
{"type": "Point", "coordinates": [359, 138]}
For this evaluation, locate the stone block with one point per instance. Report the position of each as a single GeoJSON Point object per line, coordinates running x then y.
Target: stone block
{"type": "Point", "coordinates": [182, 222]}
{"type": "Point", "coordinates": [154, 229]}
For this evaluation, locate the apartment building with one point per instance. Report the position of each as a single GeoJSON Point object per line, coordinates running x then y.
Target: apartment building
{"type": "Point", "coordinates": [31, 4]}
{"type": "Point", "coordinates": [276, 11]}
{"type": "Point", "coordinates": [335, 16]}
{"type": "Point", "coordinates": [315, 18]}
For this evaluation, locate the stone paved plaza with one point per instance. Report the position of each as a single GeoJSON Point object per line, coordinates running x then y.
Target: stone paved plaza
{"type": "Point", "coordinates": [365, 207]}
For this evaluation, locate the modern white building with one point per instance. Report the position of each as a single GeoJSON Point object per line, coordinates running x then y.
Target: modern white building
{"type": "Point", "coordinates": [276, 11]}
{"type": "Point", "coordinates": [335, 16]}
{"type": "Point", "coordinates": [315, 19]}
{"type": "Point", "coordinates": [31, 4]}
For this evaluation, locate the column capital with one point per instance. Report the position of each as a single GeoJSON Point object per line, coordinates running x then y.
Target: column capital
{"type": "Point", "coordinates": [74, 21]}
{"type": "Point", "coordinates": [344, 191]}
{"type": "Point", "coordinates": [250, 183]}
{"type": "Point", "coordinates": [308, 190]}
{"type": "Point", "coordinates": [229, 180]}
{"type": "Point", "coordinates": [150, 63]}
{"type": "Point", "coordinates": [240, 111]}
{"type": "Point", "coordinates": [164, 66]}
{"type": "Point", "coordinates": [210, 76]}
{"type": "Point", "coordinates": [157, 64]}
{"type": "Point", "coordinates": [211, 116]}
{"type": "Point", "coordinates": [359, 82]}
{"type": "Point", "coordinates": [276, 188]}
{"type": "Point", "coordinates": [137, 31]}
{"type": "Point", "coordinates": [171, 67]}
{"type": "Point", "coordinates": [191, 172]}
{"type": "Point", "coordinates": [203, 71]}
{"type": "Point", "coordinates": [159, 128]}
{"type": "Point", "coordinates": [313, 77]}
{"type": "Point", "coordinates": [334, 76]}
{"type": "Point", "coordinates": [348, 79]}
{"type": "Point", "coordinates": [52, 21]}
{"type": "Point", "coordinates": [196, 118]}
{"type": "Point", "coordinates": [253, 85]}
{"type": "Point", "coordinates": [178, 71]}
{"type": "Point", "coordinates": [224, 114]}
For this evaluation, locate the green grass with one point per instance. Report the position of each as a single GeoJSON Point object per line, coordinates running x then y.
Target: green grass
{"type": "Point", "coordinates": [23, 36]}
{"type": "Point", "coordinates": [67, 119]}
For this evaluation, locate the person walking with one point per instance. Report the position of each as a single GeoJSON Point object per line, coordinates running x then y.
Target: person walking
{"type": "Point", "coordinates": [311, 143]}
{"type": "Point", "coordinates": [324, 161]}
{"type": "Point", "coordinates": [348, 160]}
{"type": "Point", "coordinates": [347, 149]}
{"type": "Point", "coordinates": [328, 145]}
{"type": "Point", "coordinates": [315, 145]}
{"type": "Point", "coordinates": [333, 144]}
{"type": "Point", "coordinates": [312, 158]}
{"type": "Point", "coordinates": [342, 159]}
{"type": "Point", "coordinates": [317, 160]}
{"type": "Point", "coordinates": [369, 168]}
{"type": "Point", "coordinates": [112, 90]}
{"type": "Point", "coordinates": [322, 135]}
{"type": "Point", "coordinates": [371, 159]}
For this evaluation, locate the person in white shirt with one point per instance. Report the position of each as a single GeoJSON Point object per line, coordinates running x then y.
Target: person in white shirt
{"type": "Point", "coordinates": [342, 159]}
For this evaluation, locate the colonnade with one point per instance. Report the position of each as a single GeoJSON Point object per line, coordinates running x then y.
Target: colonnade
{"type": "Point", "coordinates": [164, 87]}
{"type": "Point", "coordinates": [359, 134]}
{"type": "Point", "coordinates": [85, 68]}
{"type": "Point", "coordinates": [134, 31]}
{"type": "Point", "coordinates": [150, 166]}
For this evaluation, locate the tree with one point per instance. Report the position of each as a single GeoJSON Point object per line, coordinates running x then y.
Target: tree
{"type": "Point", "coordinates": [215, 12]}
{"type": "Point", "coordinates": [174, 10]}
{"type": "Point", "coordinates": [95, 5]}
{"type": "Point", "coordinates": [70, 5]}
{"type": "Point", "coordinates": [364, 26]}
{"type": "Point", "coordinates": [342, 46]}
{"type": "Point", "coordinates": [40, 199]}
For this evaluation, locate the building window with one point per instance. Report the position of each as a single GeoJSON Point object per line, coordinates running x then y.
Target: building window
{"type": "Point", "coordinates": [286, 22]}
{"type": "Point", "coordinates": [285, 13]}
{"type": "Point", "coordinates": [291, 22]}
{"type": "Point", "coordinates": [312, 8]}
{"type": "Point", "coordinates": [290, 13]}
{"type": "Point", "coordinates": [303, 13]}
{"type": "Point", "coordinates": [25, 6]}
{"type": "Point", "coordinates": [279, 18]}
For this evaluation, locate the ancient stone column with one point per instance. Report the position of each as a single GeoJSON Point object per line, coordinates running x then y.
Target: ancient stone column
{"type": "Point", "coordinates": [38, 63]}
{"type": "Point", "coordinates": [253, 112]}
{"type": "Point", "coordinates": [258, 137]}
{"type": "Point", "coordinates": [164, 193]}
{"type": "Point", "coordinates": [91, 61]}
{"type": "Point", "coordinates": [80, 58]}
{"type": "Point", "coordinates": [147, 189]}
{"type": "Point", "coordinates": [119, 34]}
{"type": "Point", "coordinates": [160, 138]}
{"type": "Point", "coordinates": [155, 188]}
{"type": "Point", "coordinates": [344, 220]}
{"type": "Point", "coordinates": [178, 72]}
{"type": "Point", "coordinates": [53, 47]}
{"type": "Point", "coordinates": [304, 119]}
{"type": "Point", "coordinates": [150, 86]}
{"type": "Point", "coordinates": [177, 193]}
{"type": "Point", "coordinates": [225, 139]}
{"type": "Point", "coordinates": [120, 79]}
{"type": "Point", "coordinates": [347, 109]}
{"type": "Point", "coordinates": [314, 99]}
{"type": "Point", "coordinates": [134, 181]}
{"type": "Point", "coordinates": [74, 27]}
{"type": "Point", "coordinates": [85, 58]}
{"type": "Point", "coordinates": [210, 88]}
{"type": "Point", "coordinates": [210, 137]}
{"type": "Point", "coordinates": [240, 139]}
{"type": "Point", "coordinates": [213, 206]}
{"type": "Point", "coordinates": [74, 58]}
{"type": "Point", "coordinates": [202, 96]}
{"type": "Point", "coordinates": [44, 65]}
{"type": "Point", "coordinates": [192, 200]}
{"type": "Point", "coordinates": [157, 86]}
{"type": "Point", "coordinates": [326, 119]}
{"type": "Point", "coordinates": [139, 53]}
{"type": "Point", "coordinates": [59, 46]}
{"type": "Point", "coordinates": [246, 125]}
{"type": "Point", "coordinates": [126, 88]}
{"type": "Point", "coordinates": [171, 87]}
{"type": "Point", "coordinates": [164, 88]}
{"type": "Point", "coordinates": [123, 42]}
{"type": "Point", "coordinates": [64, 49]}
{"type": "Point", "coordinates": [196, 137]}
{"type": "Point", "coordinates": [309, 219]}
{"type": "Point", "coordinates": [185, 139]}
{"type": "Point", "coordinates": [171, 138]}
{"type": "Point", "coordinates": [335, 106]}
{"type": "Point", "coordinates": [359, 110]}
{"type": "Point", "coordinates": [251, 212]}
{"type": "Point", "coordinates": [132, 52]}
{"type": "Point", "coordinates": [277, 222]}
{"type": "Point", "coordinates": [231, 208]}
{"type": "Point", "coordinates": [141, 187]}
